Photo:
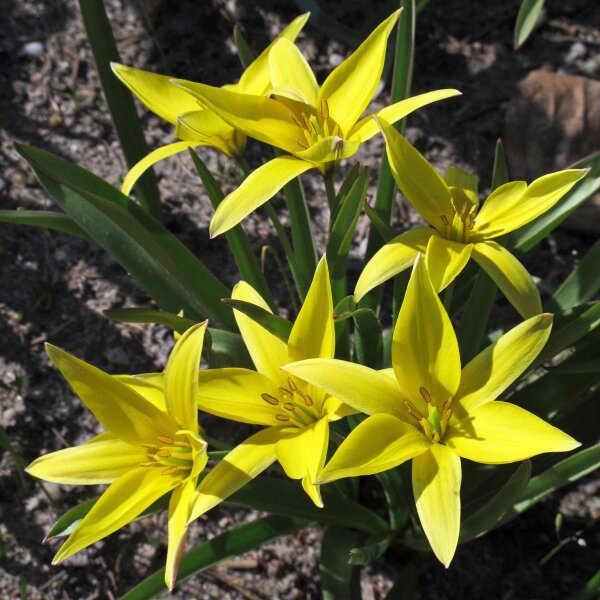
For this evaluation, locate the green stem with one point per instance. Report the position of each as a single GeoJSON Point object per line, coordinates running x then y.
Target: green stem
{"type": "Point", "coordinates": [331, 197]}
{"type": "Point", "coordinates": [119, 100]}
{"type": "Point", "coordinates": [448, 294]}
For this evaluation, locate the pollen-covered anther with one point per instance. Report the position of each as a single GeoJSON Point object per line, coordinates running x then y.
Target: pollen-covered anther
{"type": "Point", "coordinates": [150, 446]}
{"type": "Point", "coordinates": [282, 417]}
{"type": "Point", "coordinates": [413, 411]}
{"type": "Point", "coordinates": [426, 395]}
{"type": "Point", "coordinates": [444, 220]}
{"type": "Point", "coordinates": [292, 385]}
{"type": "Point", "coordinates": [166, 439]}
{"type": "Point", "coordinates": [289, 406]}
{"type": "Point", "coordinates": [164, 453]}
{"type": "Point", "coordinates": [307, 400]}
{"type": "Point", "coordinates": [270, 399]}
{"type": "Point", "coordinates": [170, 470]}
{"type": "Point", "coordinates": [324, 109]}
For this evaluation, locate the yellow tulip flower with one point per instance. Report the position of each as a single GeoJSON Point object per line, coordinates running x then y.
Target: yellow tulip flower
{"type": "Point", "coordinates": [459, 228]}
{"type": "Point", "coordinates": [318, 126]}
{"type": "Point", "coordinates": [427, 409]}
{"type": "Point", "coordinates": [152, 445]}
{"type": "Point", "coordinates": [296, 414]}
{"type": "Point", "coordinates": [202, 126]}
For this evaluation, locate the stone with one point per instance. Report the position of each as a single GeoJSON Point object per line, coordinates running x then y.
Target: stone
{"type": "Point", "coordinates": [553, 122]}
{"type": "Point", "coordinates": [32, 50]}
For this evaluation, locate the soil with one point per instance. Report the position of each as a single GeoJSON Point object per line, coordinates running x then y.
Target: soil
{"type": "Point", "coordinates": [54, 287]}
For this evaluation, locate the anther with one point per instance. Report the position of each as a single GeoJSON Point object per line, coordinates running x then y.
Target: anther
{"type": "Point", "coordinates": [150, 446]}
{"type": "Point", "coordinates": [296, 120]}
{"type": "Point", "coordinates": [336, 130]}
{"type": "Point", "coordinates": [164, 453]}
{"type": "Point", "coordinates": [282, 417]}
{"type": "Point", "coordinates": [150, 463]}
{"type": "Point", "coordinates": [165, 439]}
{"type": "Point", "coordinates": [170, 471]}
{"type": "Point", "coordinates": [444, 219]}
{"type": "Point", "coordinates": [446, 406]}
{"type": "Point", "coordinates": [426, 395]}
{"type": "Point", "coordinates": [324, 108]}
{"type": "Point", "coordinates": [286, 392]}
{"type": "Point", "coordinates": [307, 123]}
{"type": "Point", "coordinates": [414, 413]}
{"type": "Point", "coordinates": [302, 143]}
{"type": "Point", "coordinates": [270, 399]}
{"type": "Point", "coordinates": [292, 385]}
{"type": "Point", "coordinates": [289, 406]}
{"type": "Point", "coordinates": [307, 400]}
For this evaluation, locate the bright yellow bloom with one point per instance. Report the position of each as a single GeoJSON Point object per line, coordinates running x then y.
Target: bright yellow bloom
{"type": "Point", "coordinates": [460, 230]}
{"type": "Point", "coordinates": [427, 409]}
{"type": "Point", "coordinates": [318, 126]}
{"type": "Point", "coordinates": [202, 126]}
{"type": "Point", "coordinates": [296, 414]}
{"type": "Point", "coordinates": [152, 445]}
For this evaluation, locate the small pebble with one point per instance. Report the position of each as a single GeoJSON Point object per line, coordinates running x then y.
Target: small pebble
{"type": "Point", "coordinates": [336, 59]}
{"type": "Point", "coordinates": [32, 50]}
{"type": "Point", "coordinates": [576, 51]}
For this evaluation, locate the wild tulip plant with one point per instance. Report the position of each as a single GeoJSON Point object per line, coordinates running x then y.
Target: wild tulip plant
{"type": "Point", "coordinates": [335, 394]}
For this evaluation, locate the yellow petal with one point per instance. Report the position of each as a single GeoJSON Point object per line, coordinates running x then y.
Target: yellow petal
{"type": "Point", "coordinates": [237, 394]}
{"type": "Point", "coordinates": [267, 351]}
{"type": "Point", "coordinates": [100, 461]}
{"type": "Point", "coordinates": [499, 432]}
{"type": "Point", "coordinates": [241, 465]}
{"type": "Point", "coordinates": [466, 182]}
{"type": "Point", "coordinates": [156, 92]}
{"type": "Point", "coordinates": [148, 385]}
{"type": "Point", "coordinates": [122, 502]}
{"type": "Point", "coordinates": [313, 334]}
{"type": "Point", "coordinates": [336, 409]}
{"type": "Point", "coordinates": [288, 67]}
{"type": "Point", "coordinates": [351, 86]}
{"type": "Point", "coordinates": [151, 159]}
{"type": "Point", "coordinates": [358, 386]}
{"type": "Point", "coordinates": [206, 128]}
{"type": "Point", "coordinates": [422, 185]}
{"type": "Point", "coordinates": [262, 118]}
{"type": "Point", "coordinates": [496, 367]}
{"type": "Point", "coordinates": [181, 377]}
{"type": "Point", "coordinates": [512, 205]}
{"type": "Point", "coordinates": [329, 149]}
{"type": "Point", "coordinates": [259, 187]}
{"type": "Point", "coordinates": [255, 79]}
{"type": "Point", "coordinates": [366, 128]}
{"type": "Point", "coordinates": [379, 443]}
{"type": "Point", "coordinates": [179, 511]}
{"type": "Point", "coordinates": [302, 456]}
{"type": "Point", "coordinates": [425, 353]}
{"type": "Point", "coordinates": [445, 260]}
{"type": "Point", "coordinates": [122, 411]}
{"type": "Point", "coordinates": [436, 476]}
{"type": "Point", "coordinates": [510, 276]}
{"type": "Point", "coordinates": [392, 258]}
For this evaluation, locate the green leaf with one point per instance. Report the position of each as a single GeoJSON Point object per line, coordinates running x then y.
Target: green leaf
{"type": "Point", "coordinates": [591, 590]}
{"type": "Point", "coordinates": [158, 261]}
{"type": "Point", "coordinates": [368, 338]}
{"type": "Point", "coordinates": [19, 461]}
{"type": "Point", "coordinates": [528, 16]}
{"type": "Point", "coordinates": [406, 583]}
{"type": "Point", "coordinates": [383, 228]}
{"type": "Point", "coordinates": [282, 497]}
{"type": "Point", "coordinates": [375, 547]}
{"type": "Point", "coordinates": [499, 170]}
{"type": "Point", "coordinates": [340, 580]}
{"type": "Point", "coordinates": [228, 350]}
{"type": "Point", "coordinates": [562, 473]}
{"type": "Point", "coordinates": [489, 515]}
{"type": "Point", "coordinates": [528, 236]}
{"type": "Point", "coordinates": [119, 100]}
{"type": "Point", "coordinates": [236, 238]}
{"type": "Point", "coordinates": [148, 315]}
{"type": "Point", "coordinates": [47, 219]}
{"type": "Point", "coordinates": [342, 231]}
{"type": "Point", "coordinates": [244, 53]}
{"type": "Point", "coordinates": [275, 324]}
{"type": "Point", "coordinates": [231, 543]}
{"type": "Point", "coordinates": [581, 285]}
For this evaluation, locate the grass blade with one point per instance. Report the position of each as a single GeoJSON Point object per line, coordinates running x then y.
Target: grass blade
{"type": "Point", "coordinates": [527, 18]}
{"type": "Point", "coordinates": [46, 219]}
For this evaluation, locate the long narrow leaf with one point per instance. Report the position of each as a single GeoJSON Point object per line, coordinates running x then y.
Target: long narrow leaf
{"type": "Point", "coordinates": [160, 263]}
{"type": "Point", "coordinates": [528, 16]}
{"type": "Point", "coordinates": [119, 100]}
{"type": "Point", "coordinates": [46, 219]}
{"type": "Point", "coordinates": [231, 543]}
{"type": "Point", "coordinates": [148, 315]}
{"type": "Point", "coordinates": [339, 578]}
{"type": "Point", "coordinates": [274, 323]}
{"type": "Point", "coordinates": [591, 590]}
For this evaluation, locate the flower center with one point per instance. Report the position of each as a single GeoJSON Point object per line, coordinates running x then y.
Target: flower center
{"type": "Point", "coordinates": [462, 220]}
{"type": "Point", "coordinates": [293, 406]}
{"type": "Point", "coordinates": [317, 127]}
{"type": "Point", "coordinates": [434, 423]}
{"type": "Point", "coordinates": [173, 452]}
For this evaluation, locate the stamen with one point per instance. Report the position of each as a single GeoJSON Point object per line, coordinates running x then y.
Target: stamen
{"type": "Point", "coordinates": [270, 399]}
{"type": "Point", "coordinates": [336, 130]}
{"type": "Point", "coordinates": [292, 385]}
{"type": "Point", "coordinates": [302, 143]}
{"type": "Point", "coordinates": [286, 392]}
{"type": "Point", "coordinates": [289, 406]}
{"type": "Point", "coordinates": [307, 400]}
{"type": "Point", "coordinates": [296, 120]}
{"type": "Point", "coordinates": [413, 412]}
{"type": "Point", "coordinates": [444, 219]}
{"type": "Point", "coordinates": [164, 453]}
{"type": "Point", "coordinates": [307, 124]}
{"type": "Point", "coordinates": [170, 471]}
{"type": "Point", "coordinates": [446, 406]}
{"type": "Point", "coordinates": [166, 439]}
{"type": "Point", "coordinates": [282, 417]}
{"type": "Point", "coordinates": [150, 446]}
{"type": "Point", "coordinates": [324, 109]}
{"type": "Point", "coordinates": [150, 463]}
{"type": "Point", "coordinates": [426, 395]}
